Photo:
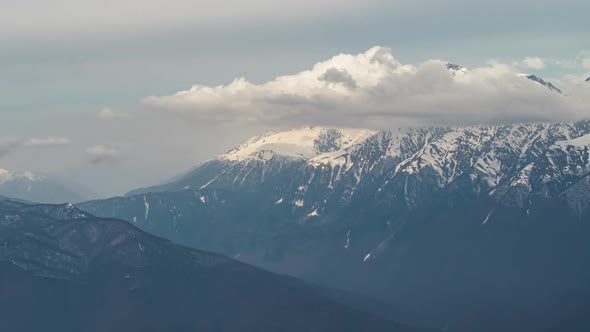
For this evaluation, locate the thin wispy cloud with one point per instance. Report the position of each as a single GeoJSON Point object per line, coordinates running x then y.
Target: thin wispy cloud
{"type": "Point", "coordinates": [95, 17]}
{"type": "Point", "coordinates": [9, 145]}
{"type": "Point", "coordinates": [47, 141]}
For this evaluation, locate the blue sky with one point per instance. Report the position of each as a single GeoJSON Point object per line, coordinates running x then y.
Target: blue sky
{"type": "Point", "coordinates": [65, 61]}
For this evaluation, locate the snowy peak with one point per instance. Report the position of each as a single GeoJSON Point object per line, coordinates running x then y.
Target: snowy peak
{"type": "Point", "coordinates": [456, 69]}
{"type": "Point", "coordinates": [318, 169]}
{"type": "Point", "coordinates": [459, 71]}
{"type": "Point", "coordinates": [542, 82]}
{"type": "Point", "coordinates": [302, 143]}
{"type": "Point", "coordinates": [38, 188]}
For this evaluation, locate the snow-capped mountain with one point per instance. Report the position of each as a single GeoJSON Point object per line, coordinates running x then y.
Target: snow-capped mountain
{"type": "Point", "coordinates": [458, 70]}
{"type": "Point", "coordinates": [36, 187]}
{"type": "Point", "coordinates": [302, 143]}
{"type": "Point", "coordinates": [318, 169]}
{"type": "Point", "coordinates": [397, 214]}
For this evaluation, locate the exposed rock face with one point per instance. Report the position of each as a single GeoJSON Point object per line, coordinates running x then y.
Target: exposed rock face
{"type": "Point", "coordinates": [542, 82]}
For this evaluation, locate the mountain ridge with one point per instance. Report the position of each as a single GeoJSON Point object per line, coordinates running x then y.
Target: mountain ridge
{"type": "Point", "coordinates": [495, 158]}
{"type": "Point", "coordinates": [36, 187]}
{"type": "Point", "coordinates": [406, 215]}
{"type": "Point", "coordinates": [73, 271]}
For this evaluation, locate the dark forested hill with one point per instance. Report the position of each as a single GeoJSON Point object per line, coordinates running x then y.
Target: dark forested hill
{"type": "Point", "coordinates": [62, 269]}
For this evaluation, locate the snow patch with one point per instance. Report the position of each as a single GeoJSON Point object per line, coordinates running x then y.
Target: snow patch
{"type": "Point", "coordinates": [583, 141]}
{"type": "Point", "coordinates": [314, 213]}
{"type": "Point", "coordinates": [147, 207]}
{"type": "Point", "coordinates": [211, 181]}
{"type": "Point", "coordinates": [347, 245]}
{"type": "Point", "coordinates": [487, 217]}
{"type": "Point", "coordinates": [298, 143]}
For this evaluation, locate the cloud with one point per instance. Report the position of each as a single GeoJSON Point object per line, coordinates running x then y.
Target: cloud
{"type": "Point", "coordinates": [108, 114]}
{"type": "Point", "coordinates": [99, 154]}
{"type": "Point", "coordinates": [536, 63]}
{"type": "Point", "coordinates": [122, 16]}
{"type": "Point", "coordinates": [47, 141]}
{"type": "Point", "coordinates": [373, 89]}
{"type": "Point", "coordinates": [338, 76]}
{"type": "Point", "coordinates": [582, 60]}
{"type": "Point", "coordinates": [8, 145]}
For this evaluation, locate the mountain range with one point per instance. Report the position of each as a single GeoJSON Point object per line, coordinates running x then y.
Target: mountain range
{"type": "Point", "coordinates": [472, 228]}
{"type": "Point", "coordinates": [477, 228]}
{"type": "Point", "coordinates": [63, 269]}
{"type": "Point", "coordinates": [39, 188]}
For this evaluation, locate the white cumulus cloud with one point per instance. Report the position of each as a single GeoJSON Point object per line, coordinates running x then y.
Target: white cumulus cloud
{"type": "Point", "coordinates": [536, 63]}
{"type": "Point", "coordinates": [373, 89]}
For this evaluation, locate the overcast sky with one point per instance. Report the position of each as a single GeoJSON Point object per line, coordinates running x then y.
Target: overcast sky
{"type": "Point", "coordinates": [120, 94]}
